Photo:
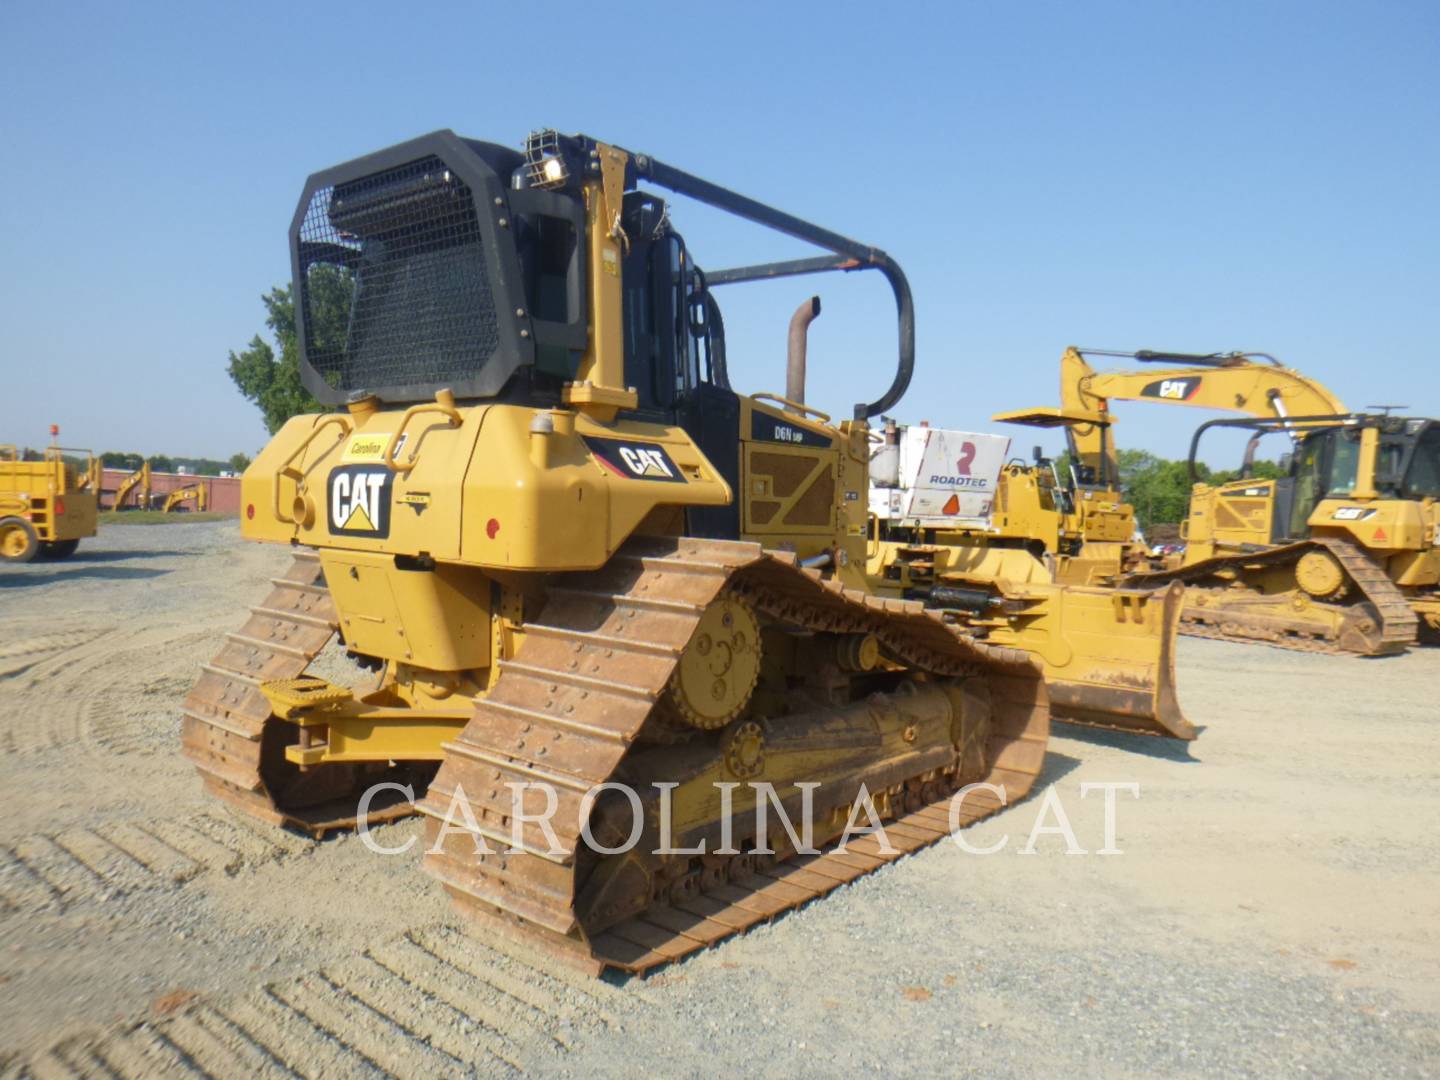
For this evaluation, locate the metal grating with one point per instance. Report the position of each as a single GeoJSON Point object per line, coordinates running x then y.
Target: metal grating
{"type": "Point", "coordinates": [393, 281]}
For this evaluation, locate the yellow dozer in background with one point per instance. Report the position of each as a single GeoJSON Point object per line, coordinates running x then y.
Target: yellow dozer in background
{"type": "Point", "coordinates": [1338, 555]}
{"type": "Point", "coordinates": [989, 541]}
{"type": "Point", "coordinates": [47, 505]}
{"type": "Point", "coordinates": [577, 559]}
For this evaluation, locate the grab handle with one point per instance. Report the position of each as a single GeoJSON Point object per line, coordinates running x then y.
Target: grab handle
{"type": "Point", "coordinates": [444, 403]}
{"type": "Point", "coordinates": [295, 474]}
{"type": "Point", "coordinates": [793, 406]}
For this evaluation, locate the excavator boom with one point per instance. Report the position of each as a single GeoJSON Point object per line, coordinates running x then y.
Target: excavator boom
{"type": "Point", "coordinates": [1234, 382]}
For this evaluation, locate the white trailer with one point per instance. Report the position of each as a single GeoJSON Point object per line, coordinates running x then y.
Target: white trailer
{"type": "Point", "coordinates": [935, 478]}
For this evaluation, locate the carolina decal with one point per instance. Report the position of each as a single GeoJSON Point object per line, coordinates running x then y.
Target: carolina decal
{"type": "Point", "coordinates": [370, 446]}
{"type": "Point", "coordinates": [359, 501]}
{"type": "Point", "coordinates": [1172, 389]}
{"type": "Point", "coordinates": [767, 428]}
{"type": "Point", "coordinates": [635, 460]}
{"type": "Point", "coordinates": [1353, 513]}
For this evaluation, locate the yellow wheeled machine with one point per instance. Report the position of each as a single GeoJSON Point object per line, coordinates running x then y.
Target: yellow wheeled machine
{"type": "Point", "coordinates": [591, 577]}
{"type": "Point", "coordinates": [48, 505]}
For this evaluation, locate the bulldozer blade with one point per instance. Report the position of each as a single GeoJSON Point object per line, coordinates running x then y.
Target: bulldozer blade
{"type": "Point", "coordinates": [1109, 658]}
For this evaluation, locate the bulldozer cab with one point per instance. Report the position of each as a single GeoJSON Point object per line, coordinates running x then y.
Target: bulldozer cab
{"type": "Point", "coordinates": [461, 271]}
{"type": "Point", "coordinates": [1357, 456]}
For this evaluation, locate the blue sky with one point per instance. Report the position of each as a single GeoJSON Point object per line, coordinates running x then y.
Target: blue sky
{"type": "Point", "coordinates": [1185, 176]}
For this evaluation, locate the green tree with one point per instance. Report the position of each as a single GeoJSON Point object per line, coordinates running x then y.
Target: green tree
{"type": "Point", "coordinates": [1158, 489]}
{"type": "Point", "coordinates": [239, 462]}
{"type": "Point", "coordinates": [162, 463]}
{"type": "Point", "coordinates": [271, 382]}
{"type": "Point", "coordinates": [118, 459]}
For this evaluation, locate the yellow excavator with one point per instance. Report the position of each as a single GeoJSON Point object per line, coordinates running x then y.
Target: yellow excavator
{"type": "Point", "coordinates": [198, 493]}
{"type": "Point", "coordinates": [1338, 555]}
{"type": "Point", "coordinates": [139, 482]}
{"type": "Point", "coordinates": [624, 642]}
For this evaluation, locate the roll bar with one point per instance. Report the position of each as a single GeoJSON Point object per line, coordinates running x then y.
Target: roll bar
{"type": "Point", "coordinates": [845, 254]}
{"type": "Point", "coordinates": [1264, 425]}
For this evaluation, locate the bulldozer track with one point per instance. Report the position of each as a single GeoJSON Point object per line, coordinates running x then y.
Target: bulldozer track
{"type": "Point", "coordinates": [592, 668]}
{"type": "Point", "coordinates": [1394, 626]}
{"type": "Point", "coordinates": [223, 719]}
{"type": "Point", "coordinates": [72, 866]}
{"type": "Point", "coordinates": [431, 1001]}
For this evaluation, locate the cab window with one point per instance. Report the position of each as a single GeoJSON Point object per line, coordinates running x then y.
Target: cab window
{"type": "Point", "coordinates": [1344, 465]}
{"type": "Point", "coordinates": [1422, 478]}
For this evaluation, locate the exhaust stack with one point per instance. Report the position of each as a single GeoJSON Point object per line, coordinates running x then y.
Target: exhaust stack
{"type": "Point", "coordinates": [800, 322]}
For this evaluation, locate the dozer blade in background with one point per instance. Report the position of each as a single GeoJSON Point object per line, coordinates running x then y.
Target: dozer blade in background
{"type": "Point", "coordinates": [1108, 654]}
{"type": "Point", "coordinates": [1122, 671]}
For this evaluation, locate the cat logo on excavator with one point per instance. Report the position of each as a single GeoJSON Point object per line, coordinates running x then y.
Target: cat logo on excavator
{"type": "Point", "coordinates": [1172, 389]}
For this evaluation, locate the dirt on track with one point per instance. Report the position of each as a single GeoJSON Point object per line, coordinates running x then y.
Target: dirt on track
{"type": "Point", "coordinates": [1276, 906]}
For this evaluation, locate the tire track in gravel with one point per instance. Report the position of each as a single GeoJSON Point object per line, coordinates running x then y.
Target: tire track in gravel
{"type": "Point", "coordinates": [18, 656]}
{"type": "Point", "coordinates": [96, 695]}
{"type": "Point", "coordinates": [33, 680]}
{"type": "Point", "coordinates": [433, 1001]}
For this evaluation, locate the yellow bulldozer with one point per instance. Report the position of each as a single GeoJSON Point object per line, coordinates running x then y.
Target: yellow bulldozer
{"type": "Point", "coordinates": [989, 542]}
{"type": "Point", "coordinates": [48, 504]}
{"type": "Point", "coordinates": [621, 620]}
{"type": "Point", "coordinates": [1339, 554]}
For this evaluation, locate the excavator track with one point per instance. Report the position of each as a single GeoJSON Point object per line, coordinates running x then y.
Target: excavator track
{"type": "Point", "coordinates": [227, 731]}
{"type": "Point", "coordinates": [1379, 621]}
{"type": "Point", "coordinates": [591, 670]}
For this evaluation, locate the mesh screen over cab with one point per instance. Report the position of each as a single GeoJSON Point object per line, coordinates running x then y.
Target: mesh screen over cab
{"type": "Point", "coordinates": [394, 282]}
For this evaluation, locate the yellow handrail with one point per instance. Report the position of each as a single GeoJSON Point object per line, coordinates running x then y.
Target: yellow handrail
{"type": "Point", "coordinates": [444, 403]}
{"type": "Point", "coordinates": [295, 474]}
{"type": "Point", "coordinates": [794, 406]}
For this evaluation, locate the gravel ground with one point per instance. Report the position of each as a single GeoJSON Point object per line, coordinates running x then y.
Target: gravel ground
{"type": "Point", "coordinates": [1274, 907]}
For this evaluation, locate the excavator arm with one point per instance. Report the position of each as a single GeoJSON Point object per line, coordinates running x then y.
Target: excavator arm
{"type": "Point", "coordinates": [200, 492]}
{"type": "Point", "coordinates": [141, 478]}
{"type": "Point", "coordinates": [1250, 383]}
